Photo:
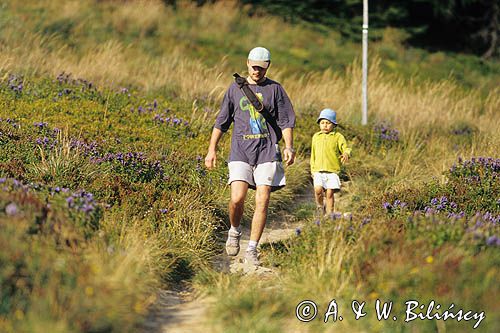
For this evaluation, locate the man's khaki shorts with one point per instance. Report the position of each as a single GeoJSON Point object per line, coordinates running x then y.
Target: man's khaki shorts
{"type": "Point", "coordinates": [269, 173]}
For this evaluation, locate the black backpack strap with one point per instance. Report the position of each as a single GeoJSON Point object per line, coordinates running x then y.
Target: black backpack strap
{"type": "Point", "coordinates": [250, 95]}
{"type": "Point", "coordinates": [257, 104]}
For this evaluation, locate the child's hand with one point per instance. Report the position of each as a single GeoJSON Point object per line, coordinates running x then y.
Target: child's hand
{"type": "Point", "coordinates": [344, 158]}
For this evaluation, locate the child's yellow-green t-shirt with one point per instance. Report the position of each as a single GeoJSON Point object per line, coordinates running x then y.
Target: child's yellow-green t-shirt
{"type": "Point", "coordinates": [326, 150]}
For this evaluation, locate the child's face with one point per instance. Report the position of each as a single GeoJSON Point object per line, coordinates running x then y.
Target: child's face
{"type": "Point", "coordinates": [326, 126]}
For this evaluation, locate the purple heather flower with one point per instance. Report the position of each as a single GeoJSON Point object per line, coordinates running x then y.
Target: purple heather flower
{"type": "Point", "coordinates": [493, 241]}
{"type": "Point", "coordinates": [387, 205]}
{"type": "Point", "coordinates": [428, 211]}
{"type": "Point", "coordinates": [41, 125]}
{"type": "Point", "coordinates": [164, 210]}
{"type": "Point", "coordinates": [11, 209]}
{"type": "Point", "coordinates": [298, 231]}
{"type": "Point", "coordinates": [335, 216]}
{"type": "Point", "coordinates": [87, 208]}
{"type": "Point", "coordinates": [70, 200]}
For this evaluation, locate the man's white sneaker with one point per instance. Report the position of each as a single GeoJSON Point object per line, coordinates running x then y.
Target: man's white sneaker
{"type": "Point", "coordinates": [233, 242]}
{"type": "Point", "coordinates": [252, 257]}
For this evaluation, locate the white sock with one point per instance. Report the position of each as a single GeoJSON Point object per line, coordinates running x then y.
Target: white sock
{"type": "Point", "coordinates": [236, 229]}
{"type": "Point", "coordinates": [252, 245]}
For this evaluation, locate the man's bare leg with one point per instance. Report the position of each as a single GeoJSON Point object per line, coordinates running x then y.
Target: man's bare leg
{"type": "Point", "coordinates": [262, 195]}
{"type": "Point", "coordinates": [239, 191]}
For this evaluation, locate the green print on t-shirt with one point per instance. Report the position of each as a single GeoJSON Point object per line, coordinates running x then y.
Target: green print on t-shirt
{"type": "Point", "coordinates": [257, 121]}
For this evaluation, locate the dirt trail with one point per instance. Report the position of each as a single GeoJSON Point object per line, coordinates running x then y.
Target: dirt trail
{"type": "Point", "coordinates": [183, 311]}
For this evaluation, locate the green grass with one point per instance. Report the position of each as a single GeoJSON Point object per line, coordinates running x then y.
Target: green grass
{"type": "Point", "coordinates": [104, 197]}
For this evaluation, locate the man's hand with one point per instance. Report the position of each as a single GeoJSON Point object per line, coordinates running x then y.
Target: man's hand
{"type": "Point", "coordinates": [210, 159]}
{"type": "Point", "coordinates": [344, 158]}
{"type": "Point", "coordinates": [289, 155]}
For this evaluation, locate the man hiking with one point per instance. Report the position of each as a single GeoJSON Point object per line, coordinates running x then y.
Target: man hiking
{"type": "Point", "coordinates": [262, 113]}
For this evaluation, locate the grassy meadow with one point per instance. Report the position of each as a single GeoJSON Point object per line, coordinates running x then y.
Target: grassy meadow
{"type": "Point", "coordinates": [106, 109]}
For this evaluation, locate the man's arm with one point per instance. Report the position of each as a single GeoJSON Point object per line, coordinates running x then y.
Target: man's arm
{"type": "Point", "coordinates": [288, 152]}
{"type": "Point", "coordinates": [211, 158]}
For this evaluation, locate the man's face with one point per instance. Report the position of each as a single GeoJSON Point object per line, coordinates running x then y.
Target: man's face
{"type": "Point", "coordinates": [256, 73]}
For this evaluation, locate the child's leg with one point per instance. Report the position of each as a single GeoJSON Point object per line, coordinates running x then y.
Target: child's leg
{"type": "Point", "coordinates": [330, 201]}
{"type": "Point", "coordinates": [318, 194]}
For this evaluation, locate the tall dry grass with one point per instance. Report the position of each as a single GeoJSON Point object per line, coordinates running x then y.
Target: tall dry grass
{"type": "Point", "coordinates": [409, 105]}
{"type": "Point", "coordinates": [413, 108]}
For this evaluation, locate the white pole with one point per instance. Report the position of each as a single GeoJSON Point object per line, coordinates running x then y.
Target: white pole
{"type": "Point", "coordinates": [364, 88]}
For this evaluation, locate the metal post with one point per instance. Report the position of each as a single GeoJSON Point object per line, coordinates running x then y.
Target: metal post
{"type": "Point", "coordinates": [364, 88]}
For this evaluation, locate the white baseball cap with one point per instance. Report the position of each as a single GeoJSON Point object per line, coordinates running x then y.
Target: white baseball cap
{"type": "Point", "coordinates": [259, 56]}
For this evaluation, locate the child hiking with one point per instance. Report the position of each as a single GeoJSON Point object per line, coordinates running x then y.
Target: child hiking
{"type": "Point", "coordinates": [328, 151]}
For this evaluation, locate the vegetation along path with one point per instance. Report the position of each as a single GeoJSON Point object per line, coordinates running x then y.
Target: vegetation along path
{"type": "Point", "coordinates": [185, 311]}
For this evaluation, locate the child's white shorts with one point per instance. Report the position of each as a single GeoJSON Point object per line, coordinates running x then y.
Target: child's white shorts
{"type": "Point", "coordinates": [327, 180]}
{"type": "Point", "coordinates": [269, 173]}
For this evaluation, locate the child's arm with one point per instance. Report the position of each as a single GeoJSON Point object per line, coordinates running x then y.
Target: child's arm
{"type": "Point", "coordinates": [344, 150]}
{"type": "Point", "coordinates": [344, 158]}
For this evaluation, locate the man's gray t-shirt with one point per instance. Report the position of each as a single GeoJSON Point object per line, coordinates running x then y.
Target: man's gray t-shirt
{"type": "Point", "coordinates": [254, 139]}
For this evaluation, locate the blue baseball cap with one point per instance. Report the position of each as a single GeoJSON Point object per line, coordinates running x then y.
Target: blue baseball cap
{"type": "Point", "coordinates": [259, 56]}
{"type": "Point", "coordinates": [328, 114]}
